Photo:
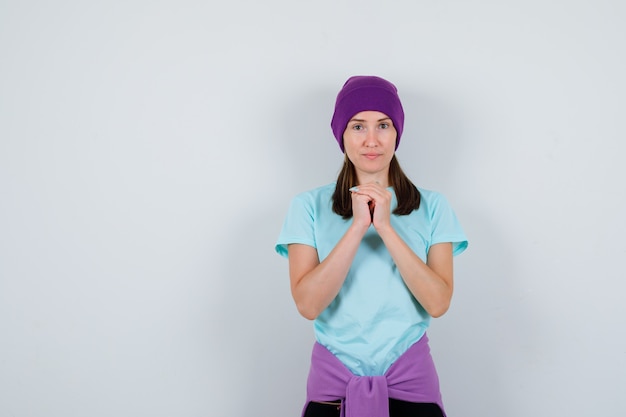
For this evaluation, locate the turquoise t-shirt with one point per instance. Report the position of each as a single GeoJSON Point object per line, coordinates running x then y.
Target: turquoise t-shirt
{"type": "Point", "coordinates": [374, 319]}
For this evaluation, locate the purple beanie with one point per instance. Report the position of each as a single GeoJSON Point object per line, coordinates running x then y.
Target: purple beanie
{"type": "Point", "coordinates": [363, 93]}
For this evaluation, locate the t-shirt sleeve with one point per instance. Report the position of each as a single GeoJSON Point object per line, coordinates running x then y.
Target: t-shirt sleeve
{"type": "Point", "coordinates": [298, 226]}
{"type": "Point", "coordinates": [446, 227]}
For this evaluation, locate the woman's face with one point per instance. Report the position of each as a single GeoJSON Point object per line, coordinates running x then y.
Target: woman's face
{"type": "Point", "coordinates": [370, 143]}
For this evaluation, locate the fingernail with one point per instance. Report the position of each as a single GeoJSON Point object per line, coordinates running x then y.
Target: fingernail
{"type": "Point", "coordinates": [354, 189]}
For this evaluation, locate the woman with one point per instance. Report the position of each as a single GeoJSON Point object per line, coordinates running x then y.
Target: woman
{"type": "Point", "coordinates": [370, 261]}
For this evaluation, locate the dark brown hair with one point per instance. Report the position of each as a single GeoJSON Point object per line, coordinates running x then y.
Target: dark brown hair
{"type": "Point", "coordinates": [406, 192]}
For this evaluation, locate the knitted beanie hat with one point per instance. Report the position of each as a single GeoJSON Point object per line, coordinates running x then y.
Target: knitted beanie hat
{"type": "Point", "coordinates": [363, 93]}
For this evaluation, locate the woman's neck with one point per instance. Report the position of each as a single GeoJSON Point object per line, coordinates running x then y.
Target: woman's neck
{"type": "Point", "coordinates": [379, 178]}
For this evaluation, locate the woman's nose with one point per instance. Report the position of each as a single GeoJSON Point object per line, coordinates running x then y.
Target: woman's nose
{"type": "Point", "coordinates": [370, 139]}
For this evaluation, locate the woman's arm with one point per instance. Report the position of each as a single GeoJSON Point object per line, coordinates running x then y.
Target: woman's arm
{"type": "Point", "coordinates": [431, 283]}
{"type": "Point", "coordinates": [315, 285]}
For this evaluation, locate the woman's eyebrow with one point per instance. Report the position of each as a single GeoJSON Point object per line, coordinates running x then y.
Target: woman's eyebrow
{"type": "Point", "coordinates": [363, 120]}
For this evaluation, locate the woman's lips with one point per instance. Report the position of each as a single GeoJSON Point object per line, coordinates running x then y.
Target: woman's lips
{"type": "Point", "coordinates": [371, 155]}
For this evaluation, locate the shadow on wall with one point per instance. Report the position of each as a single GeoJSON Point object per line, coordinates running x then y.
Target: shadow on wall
{"type": "Point", "coordinates": [433, 142]}
{"type": "Point", "coordinates": [472, 343]}
{"type": "Point", "coordinates": [312, 155]}
{"type": "Point", "coordinates": [263, 341]}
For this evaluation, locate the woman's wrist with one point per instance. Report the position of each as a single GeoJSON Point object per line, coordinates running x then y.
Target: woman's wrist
{"type": "Point", "coordinates": [385, 230]}
{"type": "Point", "coordinates": [358, 228]}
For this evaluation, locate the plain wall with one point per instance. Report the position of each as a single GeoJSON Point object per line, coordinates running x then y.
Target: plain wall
{"type": "Point", "coordinates": [149, 151]}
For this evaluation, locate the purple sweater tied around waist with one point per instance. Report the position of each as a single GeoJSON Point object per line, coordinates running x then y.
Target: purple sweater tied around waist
{"type": "Point", "coordinates": [411, 378]}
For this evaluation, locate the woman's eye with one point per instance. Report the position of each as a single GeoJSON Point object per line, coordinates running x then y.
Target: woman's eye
{"type": "Point", "coordinates": [357, 127]}
{"type": "Point", "coordinates": [384, 125]}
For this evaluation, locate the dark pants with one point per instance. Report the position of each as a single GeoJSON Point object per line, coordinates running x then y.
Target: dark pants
{"type": "Point", "coordinates": [397, 408]}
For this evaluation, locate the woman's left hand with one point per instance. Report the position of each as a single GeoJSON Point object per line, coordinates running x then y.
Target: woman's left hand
{"type": "Point", "coordinates": [430, 283]}
{"type": "Point", "coordinates": [380, 203]}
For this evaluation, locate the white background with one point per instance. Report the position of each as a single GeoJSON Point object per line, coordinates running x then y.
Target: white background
{"type": "Point", "coordinates": [149, 150]}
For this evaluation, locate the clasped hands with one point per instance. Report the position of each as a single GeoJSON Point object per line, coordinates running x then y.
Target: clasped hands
{"type": "Point", "coordinates": [371, 204]}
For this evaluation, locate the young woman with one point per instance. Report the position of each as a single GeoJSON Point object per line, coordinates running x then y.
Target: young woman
{"type": "Point", "coordinates": [370, 261]}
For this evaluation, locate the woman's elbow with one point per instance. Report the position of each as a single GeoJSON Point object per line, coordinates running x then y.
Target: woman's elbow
{"type": "Point", "coordinates": [307, 311]}
{"type": "Point", "coordinates": [306, 305]}
{"type": "Point", "coordinates": [439, 309]}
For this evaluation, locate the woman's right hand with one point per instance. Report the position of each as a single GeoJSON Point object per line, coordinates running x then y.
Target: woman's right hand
{"type": "Point", "coordinates": [315, 284]}
{"type": "Point", "coordinates": [361, 209]}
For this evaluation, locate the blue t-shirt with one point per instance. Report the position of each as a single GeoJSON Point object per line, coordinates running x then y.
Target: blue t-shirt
{"type": "Point", "coordinates": [374, 319]}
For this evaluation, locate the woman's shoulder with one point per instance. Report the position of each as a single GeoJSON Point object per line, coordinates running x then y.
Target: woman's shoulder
{"type": "Point", "coordinates": [316, 200]}
{"type": "Point", "coordinates": [431, 200]}
{"type": "Point", "coordinates": [324, 191]}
